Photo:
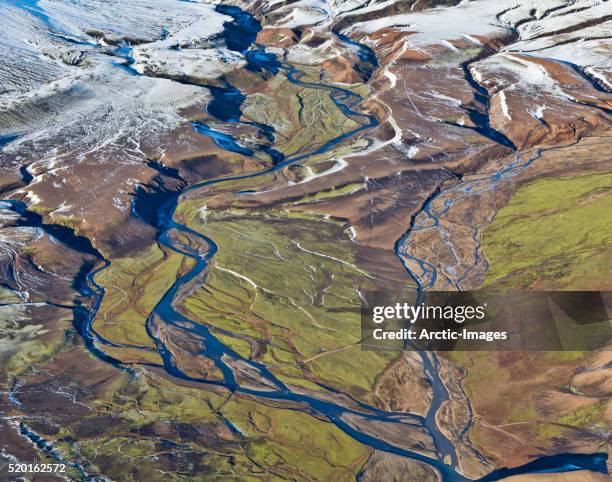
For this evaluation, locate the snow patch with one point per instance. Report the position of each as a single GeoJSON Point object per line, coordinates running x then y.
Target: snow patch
{"type": "Point", "coordinates": [537, 112]}
{"type": "Point", "coordinates": [301, 13]}
{"type": "Point", "coordinates": [441, 24]}
{"type": "Point", "coordinates": [501, 95]}
{"type": "Point", "coordinates": [601, 76]}
{"type": "Point", "coordinates": [452, 100]}
{"type": "Point", "coordinates": [338, 166]}
{"type": "Point", "coordinates": [392, 78]}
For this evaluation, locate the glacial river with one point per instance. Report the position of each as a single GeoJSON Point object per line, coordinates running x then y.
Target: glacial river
{"type": "Point", "coordinates": [226, 107]}
{"type": "Point", "coordinates": [240, 36]}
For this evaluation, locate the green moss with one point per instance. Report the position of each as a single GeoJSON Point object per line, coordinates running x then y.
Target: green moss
{"type": "Point", "coordinates": [183, 434]}
{"type": "Point", "coordinates": [565, 356]}
{"type": "Point", "coordinates": [303, 118]}
{"type": "Point", "coordinates": [242, 347]}
{"type": "Point", "coordinates": [548, 431]}
{"type": "Point", "coordinates": [8, 296]}
{"type": "Point", "coordinates": [26, 348]}
{"type": "Point", "coordinates": [287, 281]}
{"type": "Point", "coordinates": [134, 285]}
{"type": "Point", "coordinates": [554, 233]}
{"type": "Point", "coordinates": [520, 412]}
{"type": "Point", "coordinates": [587, 417]}
{"type": "Point", "coordinates": [331, 193]}
{"type": "Point", "coordinates": [318, 449]}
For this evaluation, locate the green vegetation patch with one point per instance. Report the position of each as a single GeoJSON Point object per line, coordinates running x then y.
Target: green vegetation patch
{"type": "Point", "coordinates": [332, 193]}
{"type": "Point", "coordinates": [303, 118]}
{"type": "Point", "coordinates": [587, 417]}
{"type": "Point", "coordinates": [295, 445]}
{"type": "Point", "coordinates": [287, 281]}
{"type": "Point", "coordinates": [147, 428]}
{"type": "Point", "coordinates": [134, 285]}
{"type": "Point", "coordinates": [554, 233]}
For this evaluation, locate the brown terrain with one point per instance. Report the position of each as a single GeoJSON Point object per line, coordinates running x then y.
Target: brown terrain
{"type": "Point", "coordinates": [454, 103]}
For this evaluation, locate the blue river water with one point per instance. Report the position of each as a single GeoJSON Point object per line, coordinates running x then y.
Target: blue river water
{"type": "Point", "coordinates": [7, 139]}
{"type": "Point", "coordinates": [346, 101]}
{"type": "Point", "coordinates": [240, 35]}
{"type": "Point", "coordinates": [427, 276]}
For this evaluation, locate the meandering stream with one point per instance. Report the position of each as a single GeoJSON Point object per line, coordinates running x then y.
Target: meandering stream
{"type": "Point", "coordinates": [240, 35]}
{"type": "Point", "coordinates": [226, 107]}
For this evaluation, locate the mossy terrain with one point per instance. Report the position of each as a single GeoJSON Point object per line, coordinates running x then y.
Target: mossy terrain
{"type": "Point", "coordinates": [587, 417]}
{"type": "Point", "coordinates": [285, 280]}
{"type": "Point", "coordinates": [288, 282]}
{"type": "Point", "coordinates": [134, 285]}
{"type": "Point", "coordinates": [303, 118]}
{"type": "Point", "coordinates": [553, 234]}
{"type": "Point", "coordinates": [147, 428]}
{"type": "Point", "coordinates": [284, 289]}
{"type": "Point", "coordinates": [8, 296]}
{"type": "Point", "coordinates": [143, 426]}
{"type": "Point", "coordinates": [331, 193]}
{"type": "Point", "coordinates": [24, 345]}
{"type": "Point", "coordinates": [331, 454]}
{"type": "Point", "coordinates": [519, 404]}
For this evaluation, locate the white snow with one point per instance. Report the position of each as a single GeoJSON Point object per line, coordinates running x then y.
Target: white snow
{"type": "Point", "coordinates": [339, 165]}
{"type": "Point", "coordinates": [514, 72]}
{"type": "Point", "coordinates": [475, 73]}
{"type": "Point", "coordinates": [303, 12]}
{"type": "Point", "coordinates": [191, 51]}
{"type": "Point", "coordinates": [397, 138]}
{"type": "Point", "coordinates": [472, 39]}
{"type": "Point", "coordinates": [441, 24]}
{"type": "Point", "coordinates": [501, 95]}
{"type": "Point", "coordinates": [537, 112]}
{"type": "Point", "coordinates": [143, 20]}
{"type": "Point", "coordinates": [68, 113]}
{"type": "Point", "coordinates": [353, 234]}
{"type": "Point", "coordinates": [194, 63]}
{"type": "Point", "coordinates": [303, 54]}
{"type": "Point", "coordinates": [392, 78]}
{"type": "Point", "coordinates": [358, 7]}
{"type": "Point", "coordinates": [579, 44]}
{"type": "Point", "coordinates": [452, 100]}
{"type": "Point", "coordinates": [601, 76]}
{"type": "Point", "coordinates": [558, 21]}
{"type": "Point", "coordinates": [412, 151]}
